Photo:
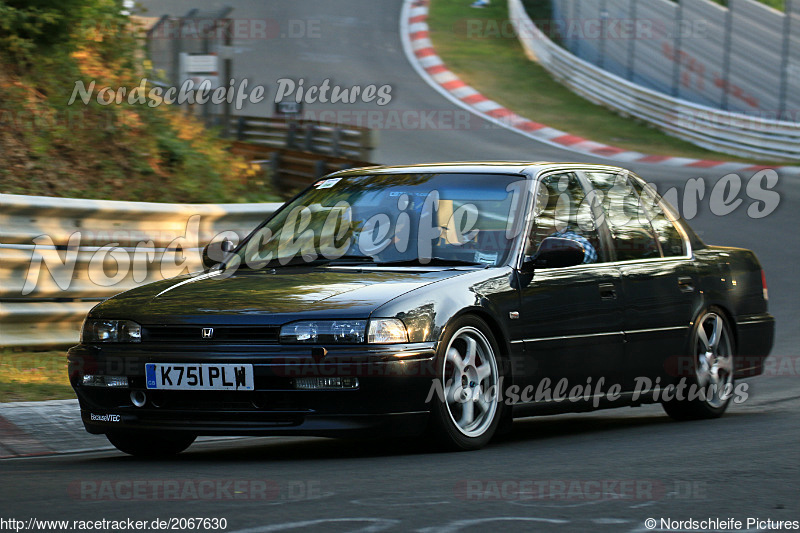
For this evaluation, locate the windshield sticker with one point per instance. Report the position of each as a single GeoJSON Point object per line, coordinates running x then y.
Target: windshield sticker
{"type": "Point", "coordinates": [327, 184]}
{"type": "Point", "coordinates": [486, 258]}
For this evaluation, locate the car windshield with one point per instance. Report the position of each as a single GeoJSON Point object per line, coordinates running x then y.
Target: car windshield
{"type": "Point", "coordinates": [448, 219]}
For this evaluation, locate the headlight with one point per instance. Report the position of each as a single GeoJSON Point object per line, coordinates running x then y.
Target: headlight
{"type": "Point", "coordinates": [386, 331]}
{"type": "Point", "coordinates": [95, 330]}
{"type": "Point", "coordinates": [380, 331]}
{"type": "Point", "coordinates": [324, 332]}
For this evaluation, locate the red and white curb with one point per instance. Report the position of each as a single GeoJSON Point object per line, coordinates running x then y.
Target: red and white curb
{"type": "Point", "coordinates": [14, 442]}
{"type": "Point", "coordinates": [422, 56]}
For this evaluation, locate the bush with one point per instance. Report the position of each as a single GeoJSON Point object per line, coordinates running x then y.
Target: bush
{"type": "Point", "coordinates": [128, 151]}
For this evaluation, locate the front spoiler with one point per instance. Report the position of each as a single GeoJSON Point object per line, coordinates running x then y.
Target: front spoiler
{"type": "Point", "coordinates": [258, 424]}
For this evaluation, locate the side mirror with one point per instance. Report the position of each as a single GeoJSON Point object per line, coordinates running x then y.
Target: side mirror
{"type": "Point", "coordinates": [216, 252]}
{"type": "Point", "coordinates": [556, 252]}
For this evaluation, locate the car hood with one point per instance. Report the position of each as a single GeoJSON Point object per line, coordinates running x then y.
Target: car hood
{"type": "Point", "coordinates": [271, 296]}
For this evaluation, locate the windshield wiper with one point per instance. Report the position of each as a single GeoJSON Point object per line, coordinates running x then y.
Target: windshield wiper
{"type": "Point", "coordinates": [299, 261]}
{"type": "Point", "coordinates": [365, 259]}
{"type": "Point", "coordinates": [348, 259]}
{"type": "Point", "coordinates": [434, 261]}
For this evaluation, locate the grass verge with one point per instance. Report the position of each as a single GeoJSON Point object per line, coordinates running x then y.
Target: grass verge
{"type": "Point", "coordinates": [780, 5]}
{"type": "Point", "coordinates": [480, 46]}
{"type": "Point", "coordinates": [32, 376]}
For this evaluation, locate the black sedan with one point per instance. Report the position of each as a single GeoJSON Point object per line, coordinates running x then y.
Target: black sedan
{"type": "Point", "coordinates": [437, 300]}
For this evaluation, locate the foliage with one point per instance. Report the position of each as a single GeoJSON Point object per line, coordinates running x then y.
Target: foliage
{"type": "Point", "coordinates": [122, 151]}
{"type": "Point", "coordinates": [33, 375]}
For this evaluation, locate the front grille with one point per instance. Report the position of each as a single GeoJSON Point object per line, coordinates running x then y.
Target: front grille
{"type": "Point", "coordinates": [220, 334]}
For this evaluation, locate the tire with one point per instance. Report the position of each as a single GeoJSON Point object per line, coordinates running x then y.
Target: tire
{"type": "Point", "coordinates": [712, 349]}
{"type": "Point", "coordinates": [468, 413]}
{"type": "Point", "coordinates": [150, 444]}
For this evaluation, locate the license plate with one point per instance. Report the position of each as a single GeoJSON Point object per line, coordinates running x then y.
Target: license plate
{"type": "Point", "coordinates": [179, 376]}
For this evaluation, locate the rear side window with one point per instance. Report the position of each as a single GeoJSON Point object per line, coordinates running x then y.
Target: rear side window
{"type": "Point", "coordinates": [629, 222]}
{"type": "Point", "coordinates": [669, 238]}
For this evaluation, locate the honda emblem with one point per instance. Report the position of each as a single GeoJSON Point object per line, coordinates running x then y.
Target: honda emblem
{"type": "Point", "coordinates": [208, 333]}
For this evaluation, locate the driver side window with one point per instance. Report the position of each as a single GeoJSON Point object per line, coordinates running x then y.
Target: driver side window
{"type": "Point", "coordinates": [560, 210]}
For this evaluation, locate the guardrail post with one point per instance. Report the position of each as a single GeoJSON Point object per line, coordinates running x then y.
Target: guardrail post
{"type": "Point", "coordinates": [632, 42]}
{"type": "Point", "coordinates": [337, 137]}
{"type": "Point", "coordinates": [676, 51]}
{"type": "Point", "coordinates": [320, 168]}
{"type": "Point", "coordinates": [787, 28]}
{"type": "Point", "coordinates": [240, 125]}
{"type": "Point", "coordinates": [601, 59]}
{"type": "Point", "coordinates": [291, 135]}
{"type": "Point", "coordinates": [308, 143]}
{"type": "Point", "coordinates": [275, 169]}
{"type": "Point", "coordinates": [367, 141]}
{"type": "Point", "coordinates": [227, 76]}
{"type": "Point", "coordinates": [726, 61]}
{"type": "Point", "coordinates": [576, 17]}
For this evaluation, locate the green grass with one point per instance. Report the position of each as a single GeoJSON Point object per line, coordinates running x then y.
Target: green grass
{"type": "Point", "coordinates": [481, 48]}
{"type": "Point", "coordinates": [780, 5]}
{"type": "Point", "coordinates": [29, 376]}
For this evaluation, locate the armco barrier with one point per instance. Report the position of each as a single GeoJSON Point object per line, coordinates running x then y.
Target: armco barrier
{"type": "Point", "coordinates": [292, 170]}
{"type": "Point", "coordinates": [59, 257]}
{"type": "Point", "coordinates": [722, 131]}
{"type": "Point", "coordinates": [336, 140]}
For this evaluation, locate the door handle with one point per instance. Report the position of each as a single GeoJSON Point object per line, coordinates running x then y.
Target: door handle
{"type": "Point", "coordinates": [607, 291]}
{"type": "Point", "coordinates": [686, 284]}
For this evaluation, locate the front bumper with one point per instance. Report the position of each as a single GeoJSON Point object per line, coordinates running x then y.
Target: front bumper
{"type": "Point", "coordinates": [393, 385]}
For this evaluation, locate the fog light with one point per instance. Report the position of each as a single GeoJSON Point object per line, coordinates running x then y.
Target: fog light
{"type": "Point", "coordinates": [325, 383]}
{"type": "Point", "coordinates": [91, 380]}
{"type": "Point", "coordinates": [138, 398]}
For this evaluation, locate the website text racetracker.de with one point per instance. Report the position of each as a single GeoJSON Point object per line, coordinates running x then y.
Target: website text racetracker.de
{"type": "Point", "coordinates": [124, 524]}
{"type": "Point", "coordinates": [580, 490]}
{"type": "Point", "coordinates": [401, 119]}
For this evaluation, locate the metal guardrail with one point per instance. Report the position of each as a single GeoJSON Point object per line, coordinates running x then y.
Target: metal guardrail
{"type": "Point", "coordinates": [292, 170]}
{"type": "Point", "coordinates": [336, 140]}
{"type": "Point", "coordinates": [59, 257]}
{"type": "Point", "coordinates": [697, 50]}
{"type": "Point", "coordinates": [722, 131]}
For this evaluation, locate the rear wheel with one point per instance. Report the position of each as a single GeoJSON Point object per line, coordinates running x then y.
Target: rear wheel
{"type": "Point", "coordinates": [712, 349]}
{"type": "Point", "coordinates": [149, 443]}
{"type": "Point", "coordinates": [469, 411]}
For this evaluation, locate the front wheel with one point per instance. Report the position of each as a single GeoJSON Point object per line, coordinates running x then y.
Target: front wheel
{"type": "Point", "coordinates": [149, 443]}
{"type": "Point", "coordinates": [469, 410]}
{"type": "Point", "coordinates": [711, 346]}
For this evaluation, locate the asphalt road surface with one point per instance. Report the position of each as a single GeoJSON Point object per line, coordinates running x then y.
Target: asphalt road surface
{"type": "Point", "coordinates": [605, 471]}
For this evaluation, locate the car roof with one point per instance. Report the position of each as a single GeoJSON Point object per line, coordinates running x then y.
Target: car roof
{"type": "Point", "coordinates": [529, 168]}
